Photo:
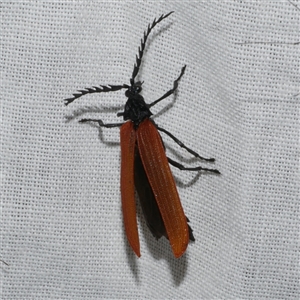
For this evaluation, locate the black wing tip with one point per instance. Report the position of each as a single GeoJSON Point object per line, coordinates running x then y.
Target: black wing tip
{"type": "Point", "coordinates": [191, 236]}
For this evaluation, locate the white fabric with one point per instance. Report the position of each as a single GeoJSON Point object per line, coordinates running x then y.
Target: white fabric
{"type": "Point", "coordinates": [62, 231]}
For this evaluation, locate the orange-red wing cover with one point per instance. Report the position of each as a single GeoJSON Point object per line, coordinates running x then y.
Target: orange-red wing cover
{"type": "Point", "coordinates": [159, 174]}
{"type": "Point", "coordinates": [128, 142]}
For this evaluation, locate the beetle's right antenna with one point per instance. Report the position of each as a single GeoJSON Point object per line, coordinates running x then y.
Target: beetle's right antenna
{"type": "Point", "coordinates": [142, 47]}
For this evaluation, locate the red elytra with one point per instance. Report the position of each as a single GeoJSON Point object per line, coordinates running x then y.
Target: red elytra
{"type": "Point", "coordinates": [146, 142]}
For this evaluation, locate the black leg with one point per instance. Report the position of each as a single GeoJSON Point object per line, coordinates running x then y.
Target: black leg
{"type": "Point", "coordinates": [170, 92]}
{"type": "Point", "coordinates": [181, 167]}
{"type": "Point", "coordinates": [183, 146]}
{"type": "Point", "coordinates": [101, 124]}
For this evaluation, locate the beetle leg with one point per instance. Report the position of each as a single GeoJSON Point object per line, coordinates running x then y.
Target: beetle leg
{"type": "Point", "coordinates": [177, 141]}
{"type": "Point", "coordinates": [182, 167]}
{"type": "Point", "coordinates": [170, 92]}
{"type": "Point", "coordinates": [101, 124]}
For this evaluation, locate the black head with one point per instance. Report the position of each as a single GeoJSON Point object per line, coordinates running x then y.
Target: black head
{"type": "Point", "coordinates": [135, 108]}
{"type": "Point", "coordinates": [134, 89]}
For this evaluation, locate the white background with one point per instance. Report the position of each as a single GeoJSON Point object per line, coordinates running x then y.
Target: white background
{"type": "Point", "coordinates": [62, 231]}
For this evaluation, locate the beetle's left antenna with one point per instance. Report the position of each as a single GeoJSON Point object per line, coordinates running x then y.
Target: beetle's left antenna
{"type": "Point", "coordinates": [142, 47]}
{"type": "Point", "coordinates": [95, 89]}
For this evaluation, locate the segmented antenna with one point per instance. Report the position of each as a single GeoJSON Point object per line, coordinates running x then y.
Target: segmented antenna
{"type": "Point", "coordinates": [95, 89]}
{"type": "Point", "coordinates": [142, 47]}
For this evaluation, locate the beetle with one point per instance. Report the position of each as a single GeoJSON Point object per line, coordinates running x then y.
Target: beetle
{"type": "Point", "coordinates": [144, 164]}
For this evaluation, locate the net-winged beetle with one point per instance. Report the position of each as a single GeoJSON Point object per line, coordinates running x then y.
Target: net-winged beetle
{"type": "Point", "coordinates": [144, 164]}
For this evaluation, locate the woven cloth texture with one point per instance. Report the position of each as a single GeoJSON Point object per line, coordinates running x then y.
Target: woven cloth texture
{"type": "Point", "coordinates": [62, 231]}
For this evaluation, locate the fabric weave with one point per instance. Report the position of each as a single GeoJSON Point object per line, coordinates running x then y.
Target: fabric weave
{"type": "Point", "coordinates": [238, 101]}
